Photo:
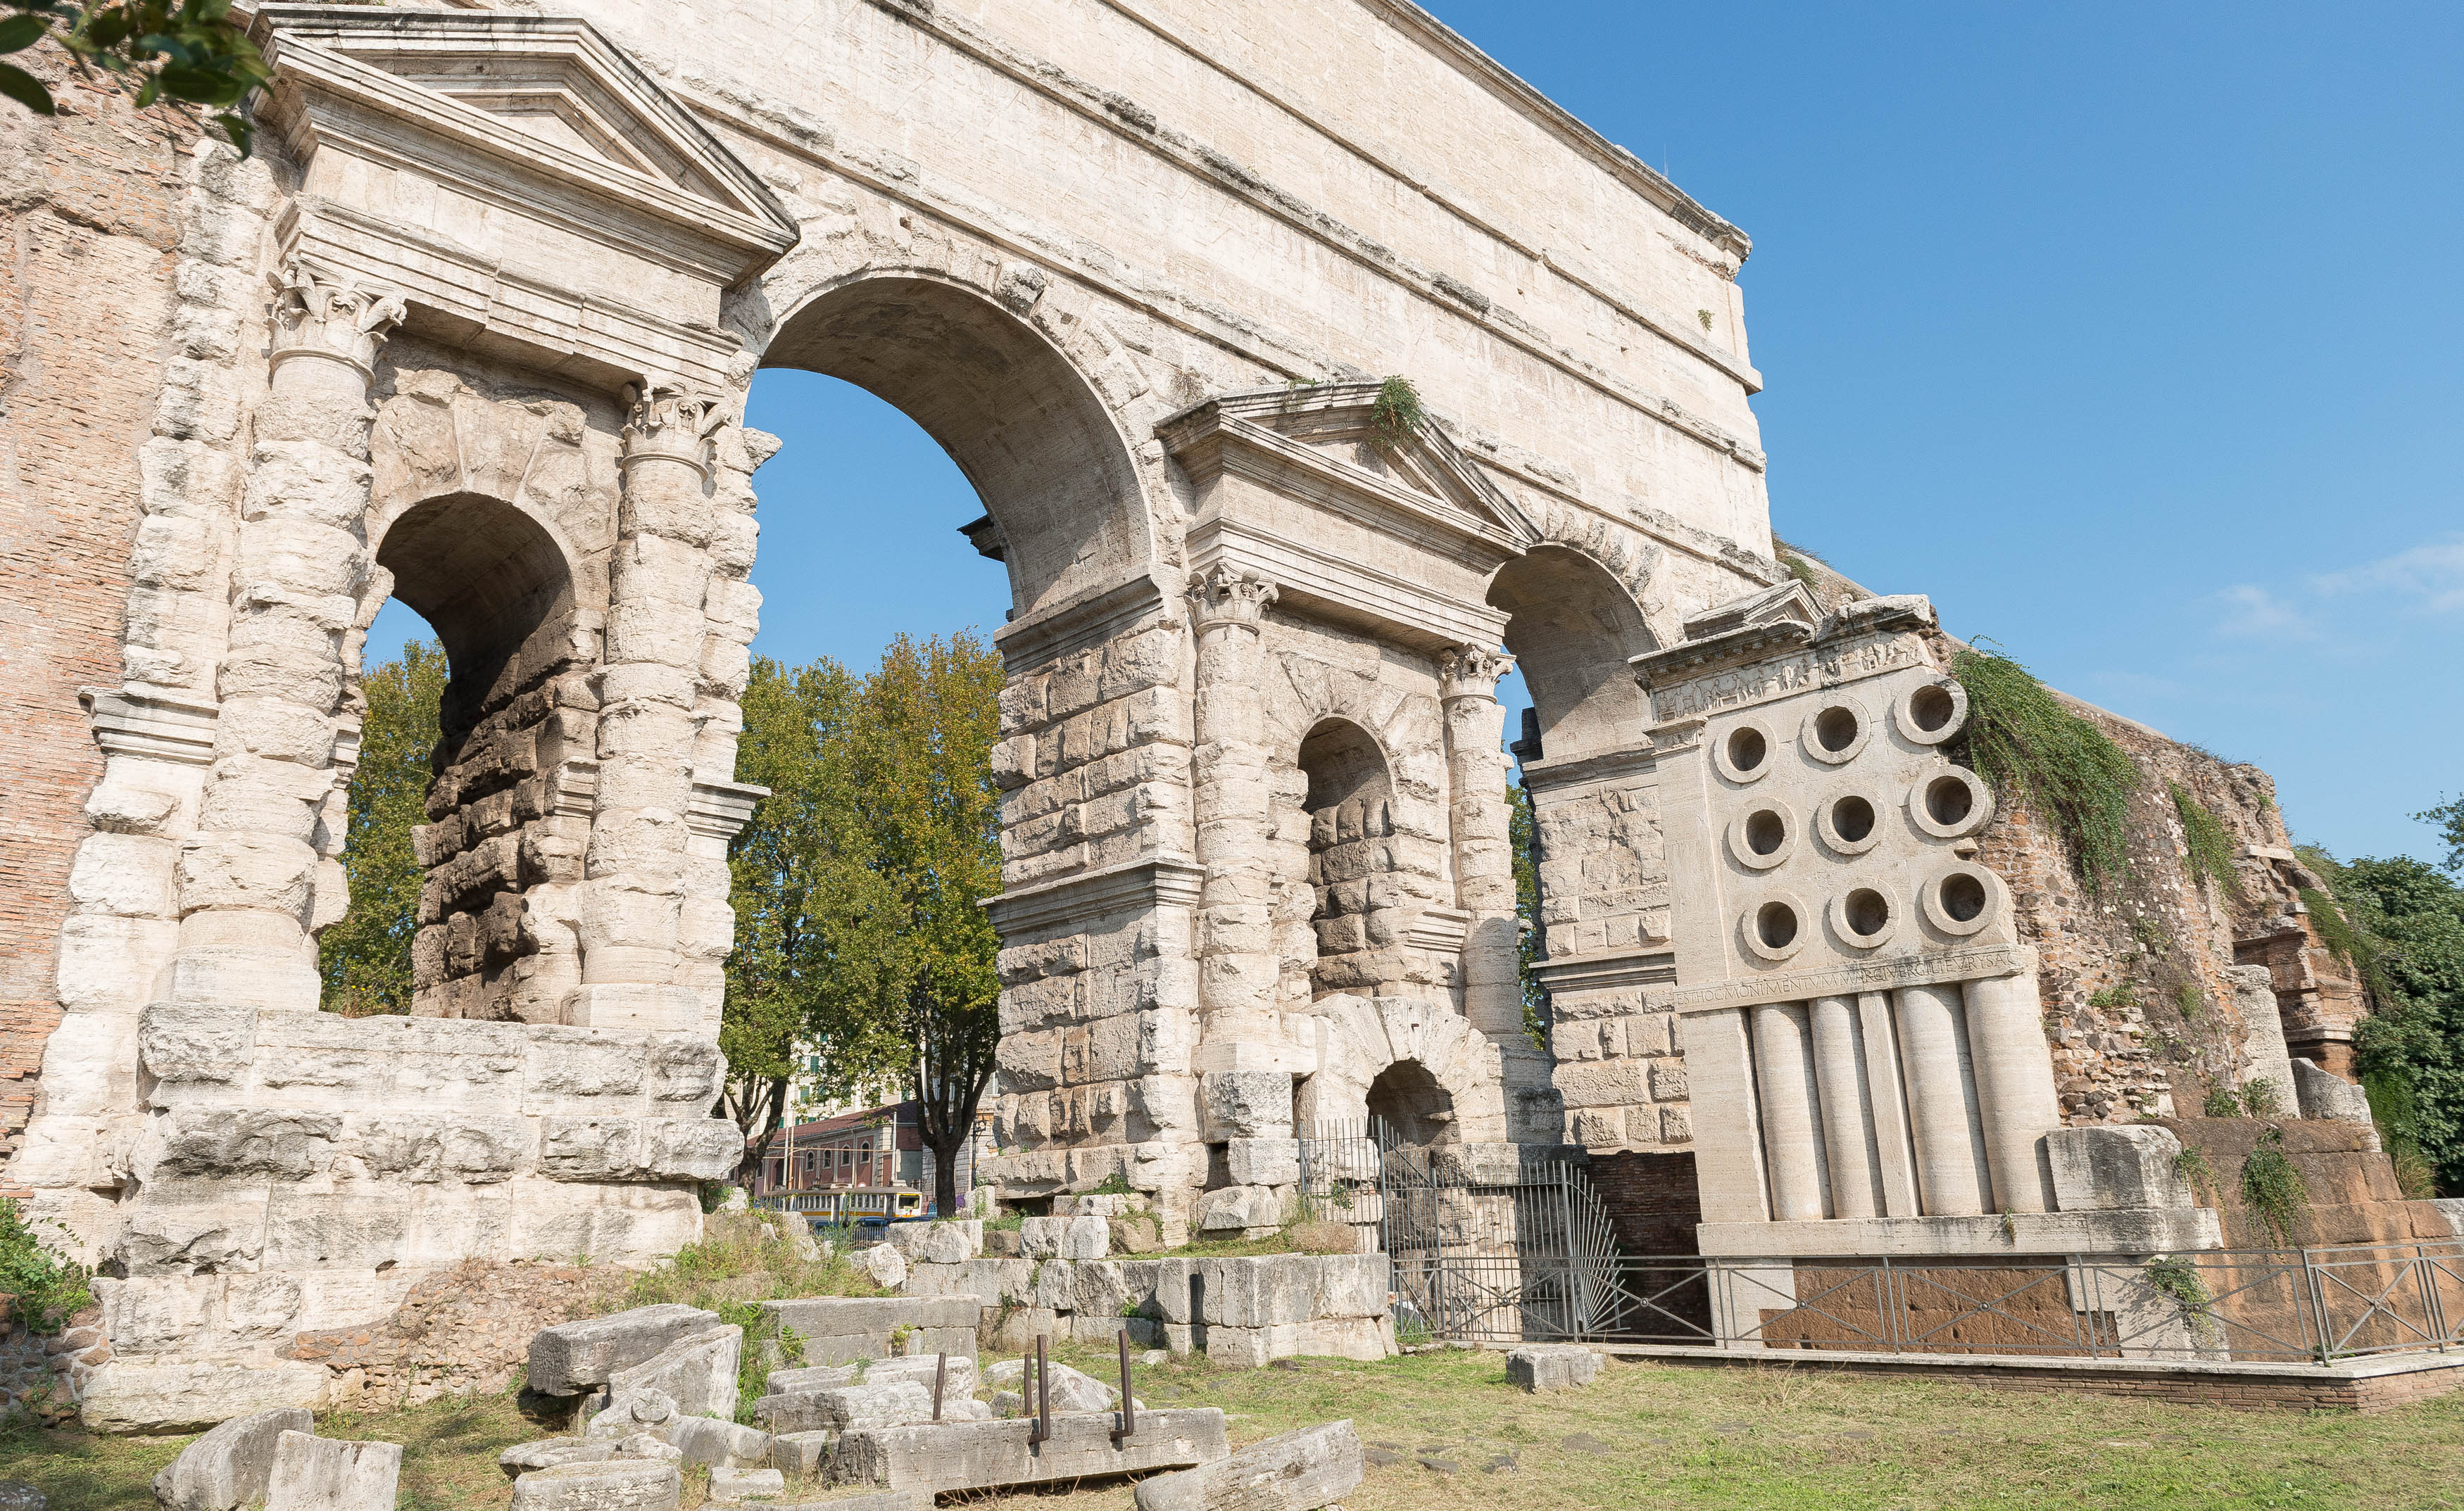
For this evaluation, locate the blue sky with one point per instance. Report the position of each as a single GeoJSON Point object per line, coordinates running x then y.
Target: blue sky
{"type": "Point", "coordinates": [2134, 335]}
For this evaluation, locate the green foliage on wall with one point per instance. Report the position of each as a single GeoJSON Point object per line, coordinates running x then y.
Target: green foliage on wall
{"type": "Point", "coordinates": [49, 1290]}
{"type": "Point", "coordinates": [366, 959]}
{"type": "Point", "coordinates": [1531, 946]}
{"type": "Point", "coordinates": [2020, 738]}
{"type": "Point", "coordinates": [1397, 415]}
{"type": "Point", "coordinates": [2208, 841]}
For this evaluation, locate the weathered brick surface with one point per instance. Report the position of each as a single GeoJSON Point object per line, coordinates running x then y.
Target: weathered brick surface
{"type": "Point", "coordinates": [89, 231]}
{"type": "Point", "coordinates": [462, 1332]}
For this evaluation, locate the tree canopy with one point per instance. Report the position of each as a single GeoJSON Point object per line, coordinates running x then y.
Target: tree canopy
{"type": "Point", "coordinates": [366, 959]}
{"type": "Point", "coordinates": [861, 943]}
{"type": "Point", "coordinates": [2401, 925]}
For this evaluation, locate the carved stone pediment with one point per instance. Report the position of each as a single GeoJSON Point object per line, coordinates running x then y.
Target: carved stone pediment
{"type": "Point", "coordinates": [1300, 485]}
{"type": "Point", "coordinates": [519, 178]}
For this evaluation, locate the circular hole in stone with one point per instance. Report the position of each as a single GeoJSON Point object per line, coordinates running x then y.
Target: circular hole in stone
{"type": "Point", "coordinates": [1949, 800]}
{"type": "Point", "coordinates": [1766, 832]}
{"type": "Point", "coordinates": [1775, 925]}
{"type": "Point", "coordinates": [1931, 707]}
{"type": "Point", "coordinates": [1868, 913]}
{"type": "Point", "coordinates": [1852, 818]}
{"type": "Point", "coordinates": [1837, 729]}
{"type": "Point", "coordinates": [1963, 896]}
{"type": "Point", "coordinates": [1746, 748]}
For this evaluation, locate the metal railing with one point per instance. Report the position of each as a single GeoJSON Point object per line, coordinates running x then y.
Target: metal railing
{"type": "Point", "coordinates": [2309, 1305]}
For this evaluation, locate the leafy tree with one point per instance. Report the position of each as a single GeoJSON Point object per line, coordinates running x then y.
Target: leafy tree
{"type": "Point", "coordinates": [2402, 924]}
{"type": "Point", "coordinates": [1523, 837]}
{"type": "Point", "coordinates": [860, 936]}
{"type": "Point", "coordinates": [2448, 815]}
{"type": "Point", "coordinates": [189, 51]}
{"type": "Point", "coordinates": [812, 916]}
{"type": "Point", "coordinates": [366, 959]}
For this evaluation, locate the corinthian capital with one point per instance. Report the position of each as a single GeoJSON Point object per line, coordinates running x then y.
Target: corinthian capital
{"type": "Point", "coordinates": [1471, 672]}
{"type": "Point", "coordinates": [1227, 597]}
{"type": "Point", "coordinates": [315, 314]}
{"type": "Point", "coordinates": [673, 423]}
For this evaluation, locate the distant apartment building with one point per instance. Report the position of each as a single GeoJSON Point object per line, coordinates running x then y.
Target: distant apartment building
{"type": "Point", "coordinates": [868, 1163]}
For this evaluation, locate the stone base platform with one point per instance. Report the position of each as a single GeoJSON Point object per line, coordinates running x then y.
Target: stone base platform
{"type": "Point", "coordinates": [2371, 1385]}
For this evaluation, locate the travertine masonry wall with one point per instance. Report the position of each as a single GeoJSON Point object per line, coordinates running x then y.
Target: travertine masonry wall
{"type": "Point", "coordinates": [90, 236]}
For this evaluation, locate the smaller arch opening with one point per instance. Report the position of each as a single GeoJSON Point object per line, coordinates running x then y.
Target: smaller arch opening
{"type": "Point", "coordinates": [1766, 831]}
{"type": "Point", "coordinates": [1931, 707]}
{"type": "Point", "coordinates": [1852, 818]}
{"type": "Point", "coordinates": [1835, 729]}
{"type": "Point", "coordinates": [1775, 925]}
{"type": "Point", "coordinates": [1963, 897]}
{"type": "Point", "coordinates": [1949, 802]}
{"type": "Point", "coordinates": [1412, 1104]}
{"type": "Point", "coordinates": [1868, 913]}
{"type": "Point", "coordinates": [1349, 806]}
{"type": "Point", "coordinates": [1748, 748]}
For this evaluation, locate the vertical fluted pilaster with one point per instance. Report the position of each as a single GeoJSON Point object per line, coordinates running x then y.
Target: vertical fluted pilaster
{"type": "Point", "coordinates": [1840, 1080]}
{"type": "Point", "coordinates": [2015, 1077]}
{"type": "Point", "coordinates": [1950, 1176]}
{"type": "Point", "coordinates": [1791, 1141]}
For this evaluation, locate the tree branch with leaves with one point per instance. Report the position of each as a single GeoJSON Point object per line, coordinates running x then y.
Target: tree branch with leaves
{"type": "Point", "coordinates": [192, 53]}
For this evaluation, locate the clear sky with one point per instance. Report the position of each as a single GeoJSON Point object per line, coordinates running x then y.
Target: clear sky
{"type": "Point", "coordinates": [2133, 335]}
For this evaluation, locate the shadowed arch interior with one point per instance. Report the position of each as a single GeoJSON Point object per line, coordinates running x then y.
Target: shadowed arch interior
{"type": "Point", "coordinates": [1350, 808]}
{"type": "Point", "coordinates": [1024, 427]}
{"type": "Point", "coordinates": [1411, 1103]}
{"type": "Point", "coordinates": [495, 587]}
{"type": "Point", "coordinates": [1573, 627]}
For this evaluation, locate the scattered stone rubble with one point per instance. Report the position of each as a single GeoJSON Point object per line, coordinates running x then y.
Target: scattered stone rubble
{"type": "Point", "coordinates": [274, 1460]}
{"type": "Point", "coordinates": [862, 1416]}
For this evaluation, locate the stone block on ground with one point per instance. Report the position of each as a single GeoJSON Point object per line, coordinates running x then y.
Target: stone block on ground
{"type": "Point", "coordinates": [801, 1456]}
{"type": "Point", "coordinates": [708, 1441]}
{"type": "Point", "coordinates": [230, 1466]}
{"type": "Point", "coordinates": [1086, 1238]}
{"type": "Point", "coordinates": [838, 1329]}
{"type": "Point", "coordinates": [1133, 1234]}
{"type": "Point", "coordinates": [634, 1412]}
{"type": "Point", "coordinates": [809, 1377]}
{"type": "Point", "coordinates": [893, 1402]}
{"type": "Point", "coordinates": [1072, 1390]}
{"type": "Point", "coordinates": [572, 1357]}
{"type": "Point", "coordinates": [124, 1396]}
{"type": "Point", "coordinates": [623, 1485]}
{"type": "Point", "coordinates": [2324, 1094]}
{"type": "Point", "coordinates": [1015, 1331]}
{"type": "Point", "coordinates": [1300, 1471]}
{"type": "Point", "coordinates": [323, 1473]}
{"type": "Point", "coordinates": [696, 1371]}
{"type": "Point", "coordinates": [920, 1369]}
{"type": "Point", "coordinates": [650, 1446]}
{"type": "Point", "coordinates": [1040, 1238]}
{"type": "Point", "coordinates": [17, 1495]}
{"type": "Point", "coordinates": [885, 1266]}
{"type": "Point", "coordinates": [1551, 1366]}
{"type": "Point", "coordinates": [735, 1486]}
{"type": "Point", "coordinates": [938, 1241]}
{"type": "Point", "coordinates": [1245, 1208]}
{"type": "Point", "coordinates": [523, 1457]}
{"type": "Point", "coordinates": [986, 1456]}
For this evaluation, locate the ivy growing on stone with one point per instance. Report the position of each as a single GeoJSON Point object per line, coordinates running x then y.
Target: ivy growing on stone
{"type": "Point", "coordinates": [2021, 739]}
{"type": "Point", "coordinates": [49, 1290]}
{"type": "Point", "coordinates": [2272, 1190]}
{"type": "Point", "coordinates": [2210, 844]}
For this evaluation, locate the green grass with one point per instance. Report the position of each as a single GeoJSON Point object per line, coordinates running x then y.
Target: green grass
{"type": "Point", "coordinates": [1705, 1439]}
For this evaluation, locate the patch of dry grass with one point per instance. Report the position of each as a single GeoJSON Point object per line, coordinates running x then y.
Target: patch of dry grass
{"type": "Point", "coordinates": [1447, 1430]}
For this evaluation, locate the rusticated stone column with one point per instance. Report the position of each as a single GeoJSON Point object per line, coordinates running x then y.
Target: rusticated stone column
{"type": "Point", "coordinates": [1231, 786]}
{"type": "Point", "coordinates": [1483, 856]}
{"type": "Point", "coordinates": [633, 900]}
{"type": "Point", "coordinates": [249, 878]}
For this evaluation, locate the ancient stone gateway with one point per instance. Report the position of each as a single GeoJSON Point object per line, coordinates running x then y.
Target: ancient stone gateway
{"type": "Point", "coordinates": [474, 329]}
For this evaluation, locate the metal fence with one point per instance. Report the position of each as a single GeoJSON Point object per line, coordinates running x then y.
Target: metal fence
{"type": "Point", "coordinates": [1491, 1244]}
{"type": "Point", "coordinates": [2309, 1305]}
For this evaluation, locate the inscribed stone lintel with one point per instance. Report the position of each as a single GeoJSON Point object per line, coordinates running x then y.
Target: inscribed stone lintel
{"type": "Point", "coordinates": [1933, 969]}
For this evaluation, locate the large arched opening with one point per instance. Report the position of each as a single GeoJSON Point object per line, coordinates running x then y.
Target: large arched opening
{"type": "Point", "coordinates": [1055, 480]}
{"type": "Point", "coordinates": [1411, 1104]}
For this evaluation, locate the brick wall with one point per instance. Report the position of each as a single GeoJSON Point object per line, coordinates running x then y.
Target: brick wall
{"type": "Point", "coordinates": [88, 232]}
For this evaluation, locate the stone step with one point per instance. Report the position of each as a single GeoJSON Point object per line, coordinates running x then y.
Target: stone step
{"type": "Point", "coordinates": [989, 1456]}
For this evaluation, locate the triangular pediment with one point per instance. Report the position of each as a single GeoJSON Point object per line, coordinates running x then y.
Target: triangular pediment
{"type": "Point", "coordinates": [1785, 602]}
{"type": "Point", "coordinates": [521, 95]}
{"type": "Point", "coordinates": [1337, 424]}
